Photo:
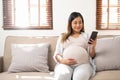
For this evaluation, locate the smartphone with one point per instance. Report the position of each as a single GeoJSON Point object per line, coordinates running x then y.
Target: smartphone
{"type": "Point", "coordinates": [93, 36]}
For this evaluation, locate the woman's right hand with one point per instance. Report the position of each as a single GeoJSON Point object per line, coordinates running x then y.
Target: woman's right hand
{"type": "Point", "coordinates": [68, 61]}
{"type": "Point", "coordinates": [62, 60]}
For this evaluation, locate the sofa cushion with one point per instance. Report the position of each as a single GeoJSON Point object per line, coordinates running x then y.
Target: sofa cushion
{"type": "Point", "coordinates": [29, 40]}
{"type": "Point", "coordinates": [107, 53]}
{"type": "Point", "coordinates": [27, 76]}
{"type": "Point", "coordinates": [29, 57]}
{"type": "Point", "coordinates": [107, 75]}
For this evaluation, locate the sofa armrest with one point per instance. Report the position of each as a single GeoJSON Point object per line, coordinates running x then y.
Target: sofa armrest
{"type": "Point", "coordinates": [1, 63]}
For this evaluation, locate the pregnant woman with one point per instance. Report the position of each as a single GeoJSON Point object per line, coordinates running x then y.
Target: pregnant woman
{"type": "Point", "coordinates": [73, 54]}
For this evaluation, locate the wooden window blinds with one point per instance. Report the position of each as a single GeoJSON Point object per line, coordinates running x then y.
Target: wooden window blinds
{"type": "Point", "coordinates": [27, 14]}
{"type": "Point", "coordinates": [108, 14]}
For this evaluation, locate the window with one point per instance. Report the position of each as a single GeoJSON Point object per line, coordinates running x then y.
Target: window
{"type": "Point", "coordinates": [108, 15]}
{"type": "Point", "coordinates": [27, 14]}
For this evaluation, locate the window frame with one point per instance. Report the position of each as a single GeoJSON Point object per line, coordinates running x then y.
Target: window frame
{"type": "Point", "coordinates": [8, 20]}
{"type": "Point", "coordinates": [99, 24]}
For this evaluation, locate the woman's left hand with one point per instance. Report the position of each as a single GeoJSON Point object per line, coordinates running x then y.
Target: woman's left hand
{"type": "Point", "coordinates": [92, 47]}
{"type": "Point", "coordinates": [92, 42]}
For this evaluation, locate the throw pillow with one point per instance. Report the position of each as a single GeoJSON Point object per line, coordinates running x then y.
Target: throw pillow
{"type": "Point", "coordinates": [107, 54]}
{"type": "Point", "coordinates": [29, 57]}
{"type": "Point", "coordinates": [77, 53]}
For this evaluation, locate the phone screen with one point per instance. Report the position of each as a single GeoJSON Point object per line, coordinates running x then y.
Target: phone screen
{"type": "Point", "coordinates": [93, 35]}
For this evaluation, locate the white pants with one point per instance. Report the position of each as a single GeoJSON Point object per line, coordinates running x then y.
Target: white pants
{"type": "Point", "coordinates": [65, 72]}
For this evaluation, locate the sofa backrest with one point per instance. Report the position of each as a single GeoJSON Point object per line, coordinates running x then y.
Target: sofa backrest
{"type": "Point", "coordinates": [28, 40]}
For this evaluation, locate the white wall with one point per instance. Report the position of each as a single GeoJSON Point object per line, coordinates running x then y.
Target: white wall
{"type": "Point", "coordinates": [61, 11]}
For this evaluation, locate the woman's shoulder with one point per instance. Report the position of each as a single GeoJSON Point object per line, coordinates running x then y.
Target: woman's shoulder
{"type": "Point", "coordinates": [61, 36]}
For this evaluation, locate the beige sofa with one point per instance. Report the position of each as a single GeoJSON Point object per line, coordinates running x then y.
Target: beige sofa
{"type": "Point", "coordinates": [6, 60]}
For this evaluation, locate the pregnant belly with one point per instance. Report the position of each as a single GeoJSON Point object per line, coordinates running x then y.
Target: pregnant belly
{"type": "Point", "coordinates": [77, 53]}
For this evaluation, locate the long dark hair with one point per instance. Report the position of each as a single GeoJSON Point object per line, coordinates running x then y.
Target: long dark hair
{"type": "Point", "coordinates": [72, 16]}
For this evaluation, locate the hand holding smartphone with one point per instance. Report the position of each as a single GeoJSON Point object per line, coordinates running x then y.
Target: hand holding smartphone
{"type": "Point", "coordinates": [93, 36]}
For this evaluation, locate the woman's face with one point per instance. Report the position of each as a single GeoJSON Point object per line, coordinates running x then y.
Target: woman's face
{"type": "Point", "coordinates": [77, 25]}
